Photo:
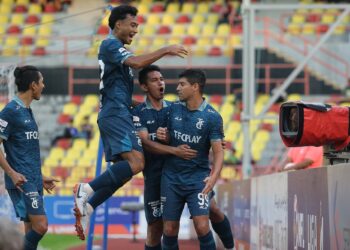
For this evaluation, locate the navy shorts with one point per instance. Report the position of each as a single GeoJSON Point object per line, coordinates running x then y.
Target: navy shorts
{"type": "Point", "coordinates": [28, 202]}
{"type": "Point", "coordinates": [152, 201]}
{"type": "Point", "coordinates": [174, 197]}
{"type": "Point", "coordinates": [118, 135]}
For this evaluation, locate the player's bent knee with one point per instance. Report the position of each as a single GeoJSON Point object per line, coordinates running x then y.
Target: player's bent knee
{"type": "Point", "coordinates": [170, 228]}
{"type": "Point", "coordinates": [40, 227]}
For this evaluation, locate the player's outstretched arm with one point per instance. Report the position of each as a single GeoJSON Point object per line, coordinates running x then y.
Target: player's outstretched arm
{"type": "Point", "coordinates": [218, 159]}
{"type": "Point", "coordinates": [17, 178]}
{"type": "Point", "coordinates": [182, 151]}
{"type": "Point", "coordinates": [138, 62]}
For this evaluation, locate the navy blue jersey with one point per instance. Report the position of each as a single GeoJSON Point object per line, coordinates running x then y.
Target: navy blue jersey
{"type": "Point", "coordinates": [19, 131]}
{"type": "Point", "coordinates": [117, 83]}
{"type": "Point", "coordinates": [150, 120]}
{"type": "Point", "coordinates": [196, 128]}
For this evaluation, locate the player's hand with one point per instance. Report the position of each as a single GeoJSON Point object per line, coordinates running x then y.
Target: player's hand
{"type": "Point", "coordinates": [209, 184]}
{"type": "Point", "coordinates": [177, 50]}
{"type": "Point", "coordinates": [223, 144]}
{"type": "Point", "coordinates": [18, 179]}
{"type": "Point", "coordinates": [162, 134]}
{"type": "Point", "coordinates": [185, 152]}
{"type": "Point", "coordinates": [49, 183]}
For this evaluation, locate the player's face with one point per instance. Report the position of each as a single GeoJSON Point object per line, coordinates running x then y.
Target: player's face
{"type": "Point", "coordinates": [38, 87]}
{"type": "Point", "coordinates": [127, 29]}
{"type": "Point", "coordinates": [184, 90]}
{"type": "Point", "coordinates": [155, 85]}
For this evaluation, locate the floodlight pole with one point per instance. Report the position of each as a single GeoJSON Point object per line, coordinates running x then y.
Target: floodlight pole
{"type": "Point", "coordinates": [248, 88]}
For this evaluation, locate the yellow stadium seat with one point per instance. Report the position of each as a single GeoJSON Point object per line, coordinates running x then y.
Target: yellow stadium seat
{"type": "Point", "coordinates": [316, 11]}
{"type": "Point", "coordinates": [340, 30]}
{"type": "Point", "coordinates": [308, 29]}
{"type": "Point", "coordinates": [8, 2]}
{"type": "Point", "coordinates": [34, 9]}
{"type": "Point", "coordinates": [29, 31]}
{"type": "Point", "coordinates": [80, 143]}
{"type": "Point", "coordinates": [328, 18]}
{"type": "Point", "coordinates": [8, 51]}
{"type": "Point", "coordinates": [4, 19]}
{"type": "Point", "coordinates": [42, 42]}
{"type": "Point", "coordinates": [293, 29]}
{"type": "Point", "coordinates": [188, 8]}
{"type": "Point", "coordinates": [193, 30]}
{"type": "Point", "coordinates": [105, 19]}
{"type": "Point", "coordinates": [178, 29]}
{"type": "Point", "coordinates": [298, 19]}
{"type": "Point", "coordinates": [203, 41]}
{"type": "Point", "coordinates": [142, 41]}
{"type": "Point", "coordinates": [153, 19]}
{"type": "Point", "coordinates": [208, 30]}
{"type": "Point", "coordinates": [22, 2]}
{"type": "Point", "coordinates": [200, 50]}
{"type": "Point", "coordinates": [235, 40]}
{"type": "Point", "coordinates": [198, 19]}
{"type": "Point", "coordinates": [219, 41]}
{"type": "Point", "coordinates": [223, 30]}
{"type": "Point", "coordinates": [203, 8]}
{"type": "Point", "coordinates": [302, 11]}
{"type": "Point", "coordinates": [174, 40]}
{"type": "Point", "coordinates": [332, 11]}
{"type": "Point", "coordinates": [173, 8]}
{"type": "Point", "coordinates": [70, 109]}
{"type": "Point", "coordinates": [159, 41]}
{"type": "Point", "coordinates": [213, 19]}
{"type": "Point", "coordinates": [47, 18]}
{"type": "Point", "coordinates": [5, 9]}
{"type": "Point", "coordinates": [45, 30]}
{"type": "Point", "coordinates": [143, 8]}
{"type": "Point", "coordinates": [68, 162]}
{"type": "Point", "coordinates": [168, 19]}
{"type": "Point", "coordinates": [85, 162]}
{"type": "Point", "coordinates": [51, 162]}
{"type": "Point", "coordinates": [148, 30]}
{"type": "Point", "coordinates": [17, 19]}
{"type": "Point", "coordinates": [24, 51]}
{"type": "Point", "coordinates": [11, 41]}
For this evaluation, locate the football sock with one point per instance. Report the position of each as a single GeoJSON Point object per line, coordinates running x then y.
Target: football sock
{"type": "Point", "coordinates": [223, 230]}
{"type": "Point", "coordinates": [157, 247]}
{"type": "Point", "coordinates": [31, 240]}
{"type": "Point", "coordinates": [207, 242]}
{"type": "Point", "coordinates": [170, 243]}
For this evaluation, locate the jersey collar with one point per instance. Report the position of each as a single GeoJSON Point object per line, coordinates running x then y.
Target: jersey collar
{"type": "Point", "coordinates": [111, 36]}
{"type": "Point", "coordinates": [19, 102]}
{"type": "Point", "coordinates": [201, 107]}
{"type": "Point", "coordinates": [148, 104]}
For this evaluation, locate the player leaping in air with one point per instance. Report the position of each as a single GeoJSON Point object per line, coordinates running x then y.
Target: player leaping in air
{"type": "Point", "coordinates": [115, 121]}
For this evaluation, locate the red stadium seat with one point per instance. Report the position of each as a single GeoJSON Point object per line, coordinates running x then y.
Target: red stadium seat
{"type": "Point", "coordinates": [189, 40]}
{"type": "Point", "coordinates": [183, 19]}
{"type": "Point", "coordinates": [164, 29]}
{"type": "Point", "coordinates": [216, 99]}
{"type": "Point", "coordinates": [322, 28]}
{"type": "Point", "coordinates": [76, 99]}
{"type": "Point", "coordinates": [215, 51]}
{"type": "Point", "coordinates": [140, 19]}
{"type": "Point", "coordinates": [20, 9]}
{"type": "Point", "coordinates": [216, 8]}
{"type": "Point", "coordinates": [49, 8]}
{"type": "Point", "coordinates": [13, 29]}
{"type": "Point", "coordinates": [313, 18]}
{"type": "Point", "coordinates": [39, 51]}
{"type": "Point", "coordinates": [27, 40]}
{"type": "Point", "coordinates": [64, 119]}
{"type": "Point", "coordinates": [157, 8]}
{"type": "Point", "coordinates": [32, 19]}
{"type": "Point", "coordinates": [103, 30]}
{"type": "Point", "coordinates": [64, 143]}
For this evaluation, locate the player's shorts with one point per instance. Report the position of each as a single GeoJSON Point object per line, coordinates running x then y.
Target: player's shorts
{"type": "Point", "coordinates": [118, 135]}
{"type": "Point", "coordinates": [152, 201]}
{"type": "Point", "coordinates": [28, 202]}
{"type": "Point", "coordinates": [174, 197]}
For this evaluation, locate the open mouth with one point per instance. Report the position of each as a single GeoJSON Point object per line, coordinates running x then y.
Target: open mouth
{"type": "Point", "coordinates": [161, 90]}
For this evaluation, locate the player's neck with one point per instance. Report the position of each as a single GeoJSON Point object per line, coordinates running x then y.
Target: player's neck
{"type": "Point", "coordinates": [194, 103]}
{"type": "Point", "coordinates": [156, 104]}
{"type": "Point", "coordinates": [26, 98]}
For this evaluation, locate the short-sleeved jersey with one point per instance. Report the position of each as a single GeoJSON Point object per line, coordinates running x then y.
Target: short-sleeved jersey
{"type": "Point", "coordinates": [116, 85]}
{"type": "Point", "coordinates": [20, 133]}
{"type": "Point", "coordinates": [150, 120]}
{"type": "Point", "coordinates": [196, 128]}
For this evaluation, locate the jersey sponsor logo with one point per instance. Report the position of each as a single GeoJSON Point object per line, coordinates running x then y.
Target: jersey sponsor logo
{"type": "Point", "coordinates": [121, 50]}
{"type": "Point", "coordinates": [155, 206]}
{"type": "Point", "coordinates": [32, 135]}
{"type": "Point", "coordinates": [211, 111]}
{"type": "Point", "coordinates": [152, 136]}
{"type": "Point", "coordinates": [200, 123]}
{"type": "Point", "coordinates": [3, 123]}
{"type": "Point", "coordinates": [203, 201]}
{"type": "Point", "coordinates": [150, 122]}
{"type": "Point", "coordinates": [178, 118]}
{"type": "Point", "coordinates": [186, 137]}
{"type": "Point", "coordinates": [26, 121]}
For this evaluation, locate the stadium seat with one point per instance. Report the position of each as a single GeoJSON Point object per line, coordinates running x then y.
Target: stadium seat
{"type": "Point", "coordinates": [8, 2]}
{"type": "Point", "coordinates": [198, 19]}
{"type": "Point", "coordinates": [13, 29]}
{"type": "Point", "coordinates": [188, 8]}
{"type": "Point", "coordinates": [148, 30]}
{"type": "Point", "coordinates": [143, 9]}
{"type": "Point", "coordinates": [42, 42]}
{"type": "Point", "coordinates": [29, 31]}
{"type": "Point", "coordinates": [313, 18]}
{"type": "Point", "coordinates": [202, 8]}
{"type": "Point", "coordinates": [5, 9]}
{"type": "Point", "coordinates": [20, 9]}
{"type": "Point", "coordinates": [45, 30]}
{"type": "Point", "coordinates": [213, 19]}
{"type": "Point", "coordinates": [24, 51]}
{"type": "Point", "coordinates": [340, 30]}
{"type": "Point", "coordinates": [140, 19]}
{"type": "Point", "coordinates": [298, 19]}
{"type": "Point", "coordinates": [173, 8]}
{"type": "Point", "coordinates": [4, 19]}
{"type": "Point", "coordinates": [47, 18]}
{"type": "Point", "coordinates": [189, 40]}
{"type": "Point", "coordinates": [34, 9]}
{"type": "Point", "coordinates": [32, 19]}
{"type": "Point", "coordinates": [219, 41]}
{"type": "Point", "coordinates": [17, 19]}
{"type": "Point", "coordinates": [223, 30]}
{"type": "Point", "coordinates": [168, 19]}
{"type": "Point", "coordinates": [183, 19]}
{"type": "Point", "coordinates": [174, 40]}
{"type": "Point", "coordinates": [27, 40]}
{"type": "Point", "coordinates": [11, 41]}
{"type": "Point", "coordinates": [103, 30]}
{"type": "Point", "coordinates": [153, 19]}
{"type": "Point", "coordinates": [208, 30]}
{"type": "Point", "coordinates": [328, 18]}
{"type": "Point", "coordinates": [308, 29]}
{"type": "Point", "coordinates": [321, 28]}
{"type": "Point", "coordinates": [157, 7]}
{"type": "Point", "coordinates": [23, 2]}
{"type": "Point", "coordinates": [49, 8]}
{"type": "Point", "coordinates": [163, 30]}
{"type": "Point", "coordinates": [200, 50]}
{"type": "Point", "coordinates": [68, 162]}
{"type": "Point", "coordinates": [8, 51]}
{"type": "Point", "coordinates": [293, 29]}
{"type": "Point", "coordinates": [159, 42]}
{"type": "Point", "coordinates": [203, 41]}
{"type": "Point", "coordinates": [193, 30]}
{"type": "Point", "coordinates": [178, 29]}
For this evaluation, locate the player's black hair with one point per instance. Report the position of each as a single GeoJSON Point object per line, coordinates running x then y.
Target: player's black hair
{"type": "Point", "coordinates": [25, 76]}
{"type": "Point", "coordinates": [195, 76]}
{"type": "Point", "coordinates": [119, 13]}
{"type": "Point", "coordinates": [143, 74]}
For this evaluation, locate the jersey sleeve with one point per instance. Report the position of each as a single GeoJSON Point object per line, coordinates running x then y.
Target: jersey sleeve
{"type": "Point", "coordinates": [217, 129]}
{"type": "Point", "coordinates": [5, 124]}
{"type": "Point", "coordinates": [116, 53]}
